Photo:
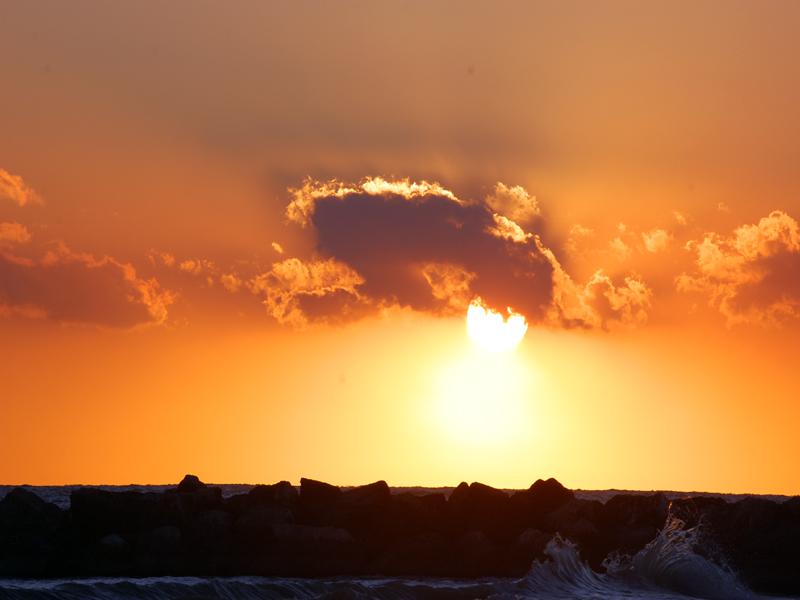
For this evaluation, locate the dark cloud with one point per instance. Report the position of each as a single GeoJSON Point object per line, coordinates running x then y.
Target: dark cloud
{"type": "Point", "coordinates": [75, 288]}
{"type": "Point", "coordinates": [392, 240]}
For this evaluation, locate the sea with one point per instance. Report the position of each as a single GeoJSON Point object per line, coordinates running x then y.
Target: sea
{"type": "Point", "coordinates": [667, 569]}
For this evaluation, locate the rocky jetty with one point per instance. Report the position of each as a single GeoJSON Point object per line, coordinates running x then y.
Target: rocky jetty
{"type": "Point", "coordinates": [323, 530]}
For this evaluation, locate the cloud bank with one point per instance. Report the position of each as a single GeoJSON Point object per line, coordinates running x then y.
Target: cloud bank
{"type": "Point", "coordinates": [381, 244]}
{"type": "Point", "coordinates": [752, 276]}
{"type": "Point", "coordinates": [46, 280]}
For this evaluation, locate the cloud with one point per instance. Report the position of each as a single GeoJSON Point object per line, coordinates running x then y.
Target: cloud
{"type": "Point", "coordinates": [410, 242]}
{"type": "Point", "coordinates": [197, 267]}
{"type": "Point", "coordinates": [231, 282]}
{"type": "Point", "coordinates": [381, 244]}
{"type": "Point", "coordinates": [77, 288]}
{"type": "Point", "coordinates": [513, 203]}
{"type": "Point", "coordinates": [656, 241]}
{"type": "Point", "coordinates": [155, 257]}
{"type": "Point", "coordinates": [751, 276]}
{"type": "Point", "coordinates": [13, 188]}
{"type": "Point", "coordinates": [301, 209]}
{"type": "Point", "coordinates": [13, 232]}
{"type": "Point", "coordinates": [599, 304]}
{"type": "Point", "coordinates": [620, 249]}
{"type": "Point", "coordinates": [577, 234]}
{"type": "Point", "coordinates": [300, 293]}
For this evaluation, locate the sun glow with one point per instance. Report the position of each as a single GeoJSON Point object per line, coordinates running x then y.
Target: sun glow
{"type": "Point", "coordinates": [481, 400]}
{"type": "Point", "coordinates": [490, 331]}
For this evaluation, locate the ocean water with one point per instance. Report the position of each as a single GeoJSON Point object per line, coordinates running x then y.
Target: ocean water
{"type": "Point", "coordinates": [667, 569]}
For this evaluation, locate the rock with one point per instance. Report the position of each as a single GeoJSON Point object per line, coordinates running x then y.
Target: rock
{"type": "Point", "coordinates": [97, 513]}
{"type": "Point", "coordinates": [318, 491]}
{"type": "Point", "coordinates": [282, 493]}
{"type": "Point", "coordinates": [253, 531]}
{"type": "Point", "coordinates": [316, 551]}
{"type": "Point", "coordinates": [529, 546]}
{"type": "Point", "coordinates": [114, 547]}
{"type": "Point", "coordinates": [528, 508]}
{"type": "Point", "coordinates": [161, 541]}
{"type": "Point", "coordinates": [628, 522]}
{"type": "Point", "coordinates": [484, 508]}
{"type": "Point", "coordinates": [211, 532]}
{"type": "Point", "coordinates": [427, 555]}
{"type": "Point", "coordinates": [22, 510]}
{"type": "Point", "coordinates": [27, 525]}
{"type": "Point", "coordinates": [479, 555]}
{"type": "Point", "coordinates": [366, 496]}
{"type": "Point", "coordinates": [189, 484]}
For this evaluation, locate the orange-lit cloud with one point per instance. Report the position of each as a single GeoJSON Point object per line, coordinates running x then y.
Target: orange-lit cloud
{"type": "Point", "coordinates": [13, 232]}
{"type": "Point", "coordinates": [15, 189]}
{"type": "Point", "coordinates": [397, 236]}
{"type": "Point", "coordinates": [418, 246]}
{"type": "Point", "coordinates": [599, 304]}
{"type": "Point", "coordinates": [299, 293]}
{"type": "Point", "coordinates": [657, 240]}
{"type": "Point", "coordinates": [751, 276]}
{"type": "Point", "coordinates": [514, 203]}
{"type": "Point", "coordinates": [76, 288]}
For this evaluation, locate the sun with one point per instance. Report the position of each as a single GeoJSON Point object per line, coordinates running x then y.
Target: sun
{"type": "Point", "coordinates": [490, 331]}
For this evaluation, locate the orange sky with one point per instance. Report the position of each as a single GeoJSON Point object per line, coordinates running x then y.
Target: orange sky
{"type": "Point", "coordinates": [239, 240]}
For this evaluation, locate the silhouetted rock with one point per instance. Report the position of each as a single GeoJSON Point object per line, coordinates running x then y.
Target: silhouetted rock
{"type": "Point", "coordinates": [324, 531]}
{"type": "Point", "coordinates": [282, 493]}
{"type": "Point", "coordinates": [312, 490]}
{"type": "Point", "coordinates": [114, 547]}
{"type": "Point", "coordinates": [189, 484]}
{"type": "Point", "coordinates": [479, 555]}
{"type": "Point", "coordinates": [529, 546]}
{"type": "Point", "coordinates": [27, 525]}
{"type": "Point", "coordinates": [366, 496]}
{"type": "Point", "coordinates": [253, 531]}
{"type": "Point", "coordinates": [479, 507]}
{"type": "Point", "coordinates": [530, 507]}
{"type": "Point", "coordinates": [97, 513]}
{"type": "Point", "coordinates": [427, 554]}
{"type": "Point", "coordinates": [627, 522]}
{"type": "Point", "coordinates": [23, 511]}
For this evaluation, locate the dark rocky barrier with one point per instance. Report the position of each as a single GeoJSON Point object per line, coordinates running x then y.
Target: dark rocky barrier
{"type": "Point", "coordinates": [323, 531]}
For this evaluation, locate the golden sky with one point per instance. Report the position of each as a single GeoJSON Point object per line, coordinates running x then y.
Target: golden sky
{"type": "Point", "coordinates": [240, 239]}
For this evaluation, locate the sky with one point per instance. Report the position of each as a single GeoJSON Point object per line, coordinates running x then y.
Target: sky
{"type": "Point", "coordinates": [240, 240]}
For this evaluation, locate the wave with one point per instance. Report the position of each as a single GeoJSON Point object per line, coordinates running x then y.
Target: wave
{"type": "Point", "coordinates": [666, 569]}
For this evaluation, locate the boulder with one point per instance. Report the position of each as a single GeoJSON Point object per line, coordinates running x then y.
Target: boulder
{"type": "Point", "coordinates": [427, 555]}
{"type": "Point", "coordinates": [318, 491]}
{"type": "Point", "coordinates": [366, 496]}
{"type": "Point", "coordinates": [315, 551]}
{"type": "Point", "coordinates": [530, 507]}
{"type": "Point", "coordinates": [189, 484]}
{"type": "Point", "coordinates": [114, 547]}
{"type": "Point", "coordinates": [479, 507]}
{"type": "Point", "coordinates": [253, 530]}
{"type": "Point", "coordinates": [97, 513]}
{"type": "Point", "coordinates": [282, 493]}
{"type": "Point", "coordinates": [210, 533]}
{"type": "Point", "coordinates": [628, 522]}
{"type": "Point", "coordinates": [529, 546]}
{"type": "Point", "coordinates": [27, 525]}
{"type": "Point", "coordinates": [478, 554]}
{"type": "Point", "coordinates": [23, 511]}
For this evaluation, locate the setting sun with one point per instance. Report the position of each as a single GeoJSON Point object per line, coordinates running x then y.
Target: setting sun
{"type": "Point", "coordinates": [490, 331]}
